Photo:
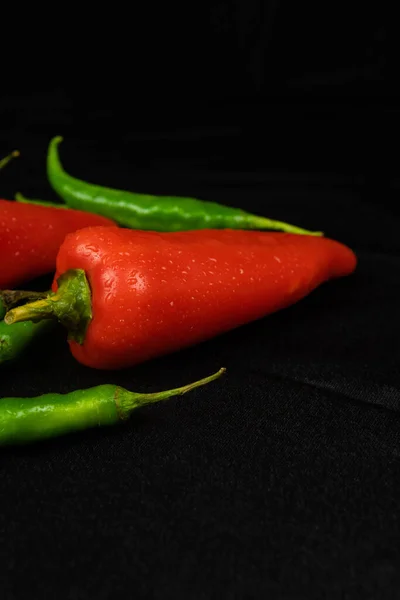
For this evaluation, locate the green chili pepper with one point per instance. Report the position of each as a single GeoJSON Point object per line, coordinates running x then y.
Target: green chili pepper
{"type": "Point", "coordinates": [15, 339]}
{"type": "Point", "coordinates": [24, 420]}
{"type": "Point", "coordinates": [157, 213]}
{"type": "Point", "coordinates": [4, 161]}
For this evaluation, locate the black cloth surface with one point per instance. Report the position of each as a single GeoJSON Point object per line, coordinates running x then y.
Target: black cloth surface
{"type": "Point", "coordinates": [281, 479]}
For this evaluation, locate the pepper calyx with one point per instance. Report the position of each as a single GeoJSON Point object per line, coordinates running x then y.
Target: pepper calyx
{"type": "Point", "coordinates": [70, 305]}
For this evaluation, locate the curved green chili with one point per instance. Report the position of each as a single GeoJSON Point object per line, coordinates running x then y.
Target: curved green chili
{"type": "Point", "coordinates": [16, 338]}
{"type": "Point", "coordinates": [156, 213]}
{"type": "Point", "coordinates": [24, 420]}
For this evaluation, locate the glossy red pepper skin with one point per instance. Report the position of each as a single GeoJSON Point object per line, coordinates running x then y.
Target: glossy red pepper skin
{"type": "Point", "coordinates": [155, 293]}
{"type": "Point", "coordinates": [30, 236]}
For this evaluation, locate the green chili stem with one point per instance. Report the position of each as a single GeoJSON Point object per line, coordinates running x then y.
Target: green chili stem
{"type": "Point", "coordinates": [264, 223]}
{"type": "Point", "coordinates": [131, 400]}
{"type": "Point", "coordinates": [4, 161]}
{"type": "Point", "coordinates": [20, 198]}
{"type": "Point", "coordinates": [70, 305]}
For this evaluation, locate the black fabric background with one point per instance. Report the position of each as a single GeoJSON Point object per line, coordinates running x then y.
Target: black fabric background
{"type": "Point", "coordinates": [280, 480]}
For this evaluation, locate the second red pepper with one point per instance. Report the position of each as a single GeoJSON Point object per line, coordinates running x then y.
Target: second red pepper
{"type": "Point", "coordinates": [30, 236]}
{"type": "Point", "coordinates": [128, 296]}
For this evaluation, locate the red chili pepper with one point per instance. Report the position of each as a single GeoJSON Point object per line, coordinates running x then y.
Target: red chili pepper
{"type": "Point", "coordinates": [128, 296]}
{"type": "Point", "coordinates": [31, 235]}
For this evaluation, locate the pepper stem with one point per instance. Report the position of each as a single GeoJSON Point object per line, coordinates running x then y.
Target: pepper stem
{"type": "Point", "coordinates": [129, 401]}
{"type": "Point", "coordinates": [70, 305]}
{"type": "Point", "coordinates": [4, 161]}
{"type": "Point", "coordinates": [10, 298]}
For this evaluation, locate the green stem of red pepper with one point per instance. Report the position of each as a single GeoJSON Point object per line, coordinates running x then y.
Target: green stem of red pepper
{"type": "Point", "coordinates": [70, 305]}
{"type": "Point", "coordinates": [11, 298]}
{"type": "Point", "coordinates": [15, 339]}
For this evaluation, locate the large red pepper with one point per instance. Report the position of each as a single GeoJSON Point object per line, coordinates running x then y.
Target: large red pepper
{"type": "Point", "coordinates": [30, 236]}
{"type": "Point", "coordinates": [128, 296]}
